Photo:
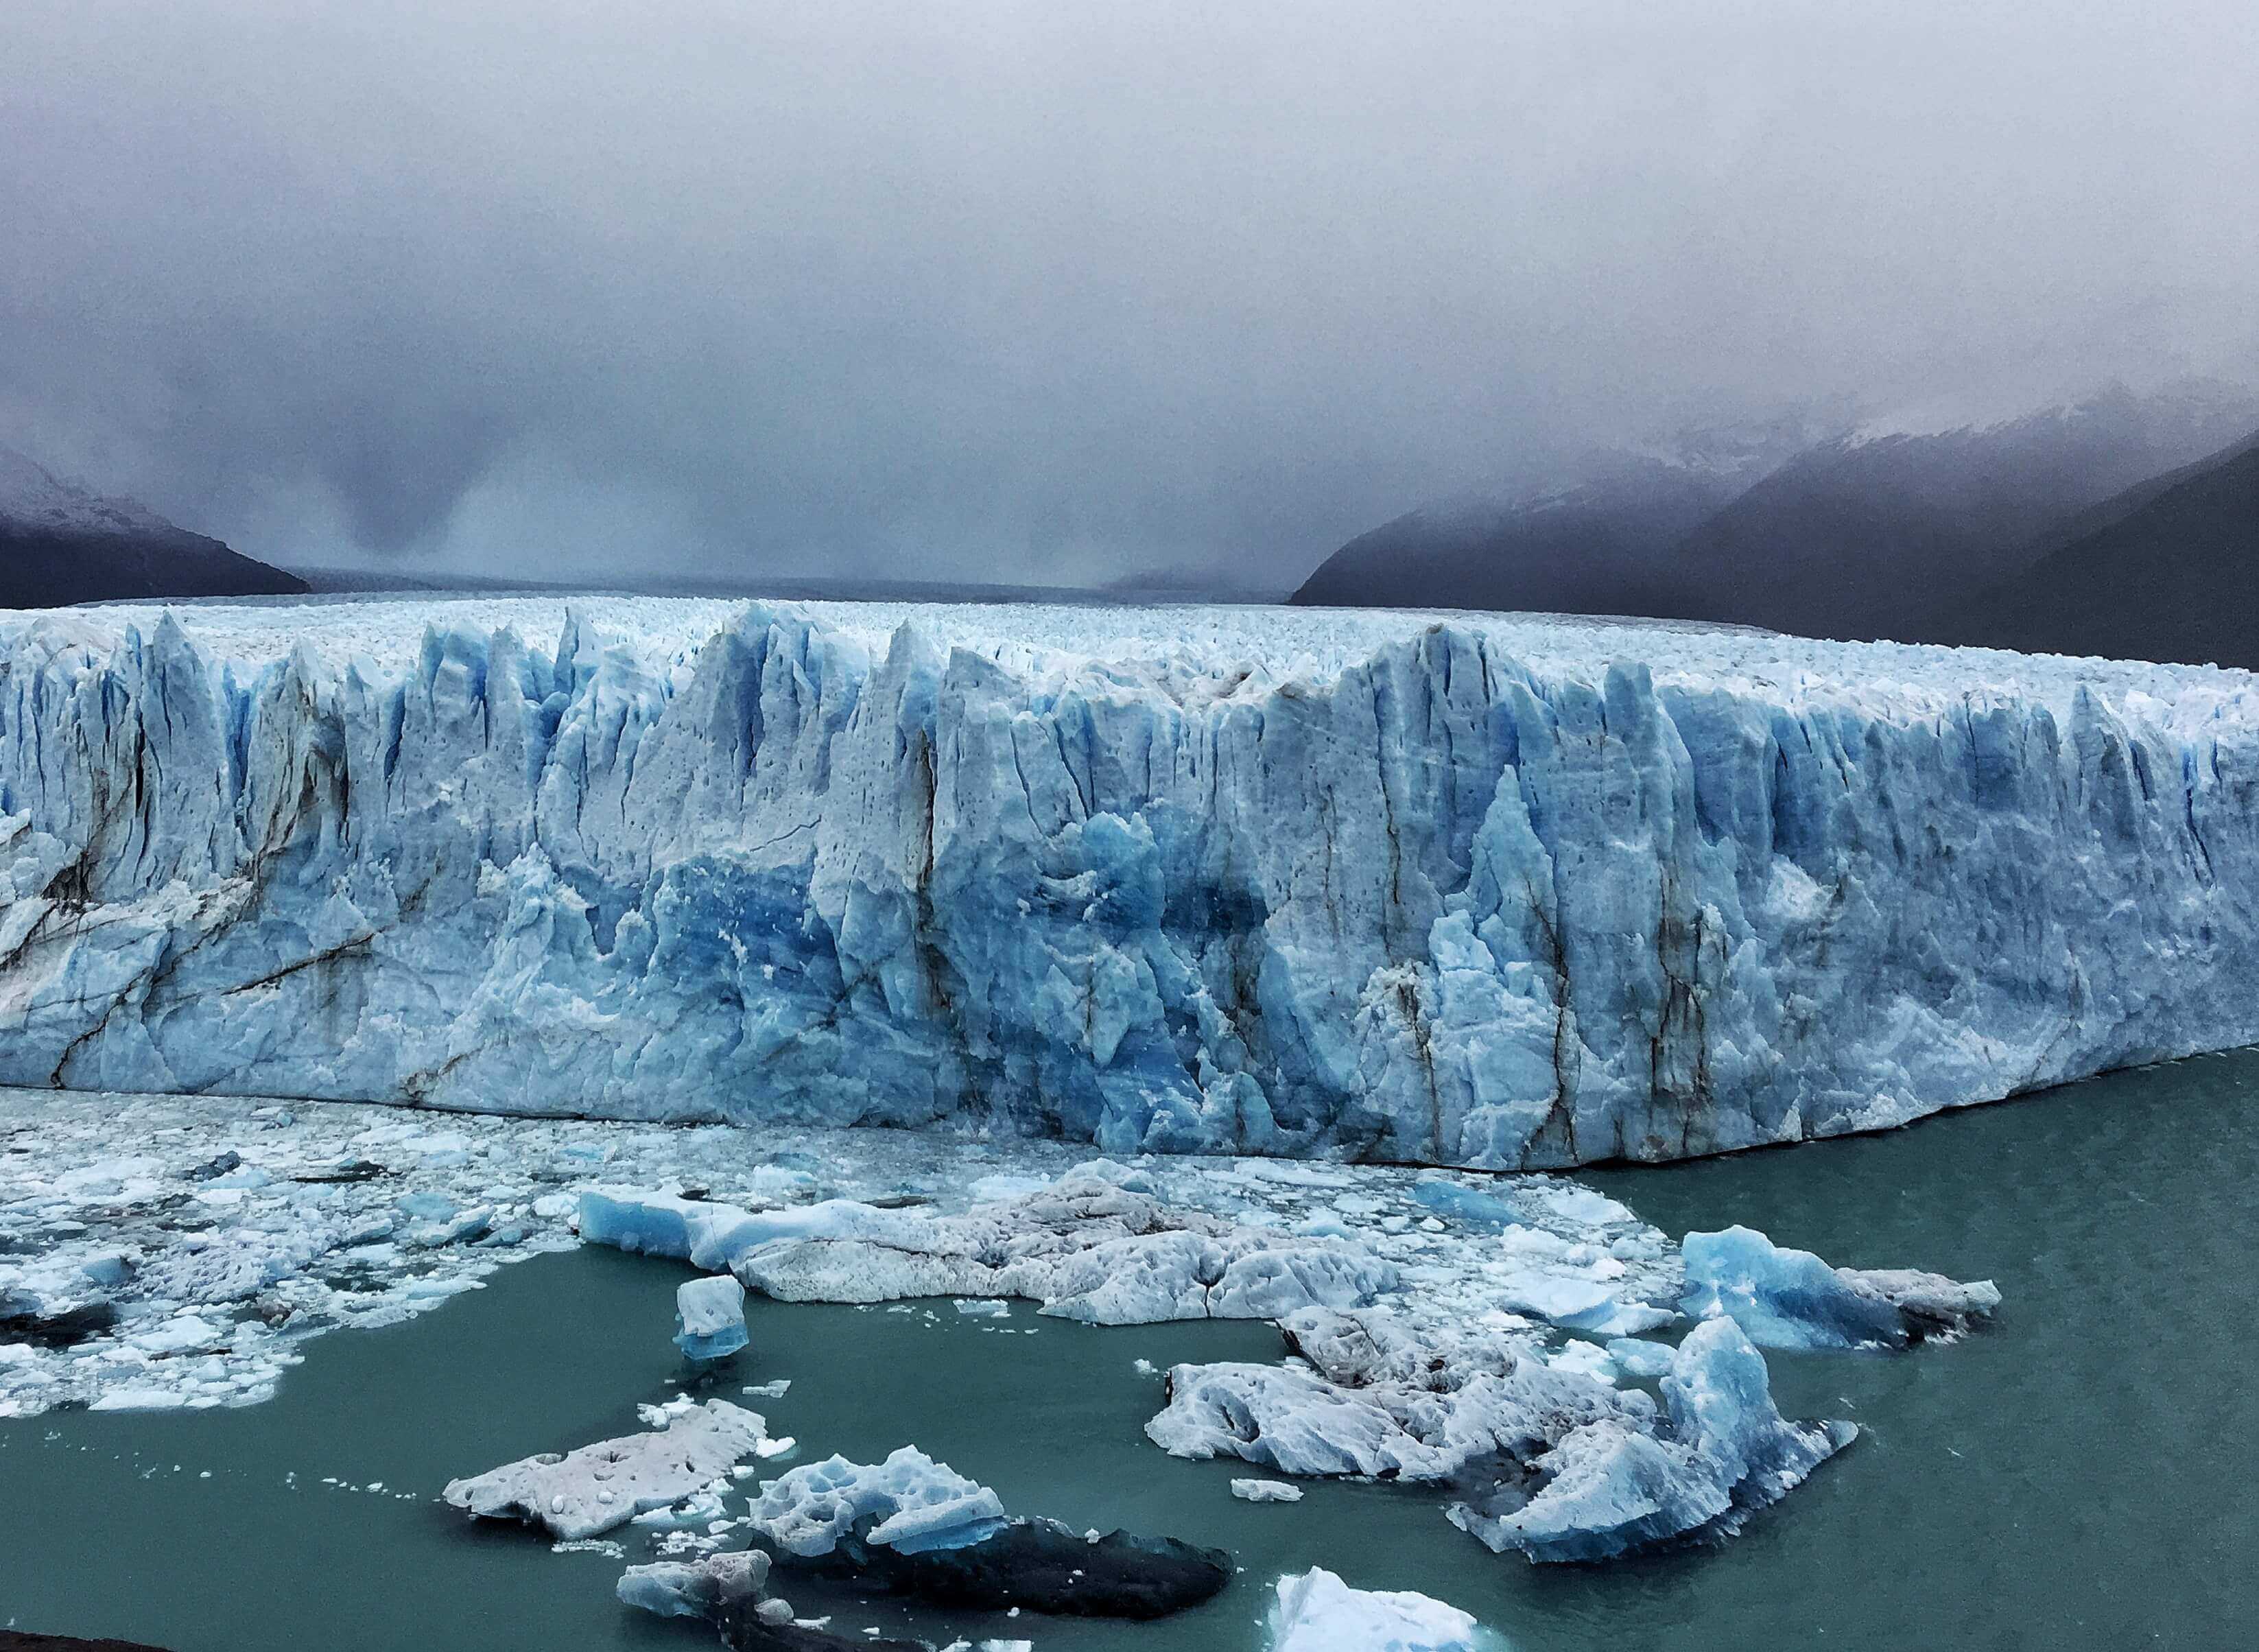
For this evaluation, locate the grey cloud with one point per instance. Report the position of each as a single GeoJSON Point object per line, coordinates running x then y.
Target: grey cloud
{"type": "Point", "coordinates": [1023, 291]}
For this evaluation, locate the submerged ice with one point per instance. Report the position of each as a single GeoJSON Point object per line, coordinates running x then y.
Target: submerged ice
{"type": "Point", "coordinates": [919, 1527]}
{"type": "Point", "coordinates": [1465, 890]}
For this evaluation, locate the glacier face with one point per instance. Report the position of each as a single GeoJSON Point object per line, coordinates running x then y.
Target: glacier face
{"type": "Point", "coordinates": [1456, 889]}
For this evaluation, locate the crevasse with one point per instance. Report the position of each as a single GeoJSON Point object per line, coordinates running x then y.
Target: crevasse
{"type": "Point", "coordinates": [1457, 889]}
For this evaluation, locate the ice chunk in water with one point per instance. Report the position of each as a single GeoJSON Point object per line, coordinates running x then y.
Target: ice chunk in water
{"type": "Point", "coordinates": [628, 1219]}
{"type": "Point", "coordinates": [599, 1486]}
{"type": "Point", "coordinates": [918, 1504]}
{"type": "Point", "coordinates": [1612, 1487]}
{"type": "Point", "coordinates": [1317, 1612]}
{"type": "Point", "coordinates": [1266, 1492]}
{"type": "Point", "coordinates": [1791, 1298]}
{"type": "Point", "coordinates": [710, 1317]}
{"type": "Point", "coordinates": [708, 1588]}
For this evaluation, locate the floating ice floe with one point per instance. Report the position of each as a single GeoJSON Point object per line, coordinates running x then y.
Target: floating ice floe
{"type": "Point", "coordinates": [710, 1588]}
{"type": "Point", "coordinates": [918, 1528]}
{"type": "Point", "coordinates": [582, 1493]}
{"type": "Point", "coordinates": [710, 1317]}
{"type": "Point", "coordinates": [123, 1283]}
{"type": "Point", "coordinates": [1266, 1492]}
{"type": "Point", "coordinates": [1096, 1245]}
{"type": "Point", "coordinates": [912, 1501]}
{"type": "Point", "coordinates": [1589, 1471]}
{"type": "Point", "coordinates": [1622, 1484]}
{"type": "Point", "coordinates": [1413, 1344]}
{"type": "Point", "coordinates": [1316, 1612]}
{"type": "Point", "coordinates": [1791, 1298]}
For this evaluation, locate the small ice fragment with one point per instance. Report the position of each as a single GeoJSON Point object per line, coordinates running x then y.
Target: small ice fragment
{"type": "Point", "coordinates": [1266, 1492]}
{"type": "Point", "coordinates": [710, 1317]}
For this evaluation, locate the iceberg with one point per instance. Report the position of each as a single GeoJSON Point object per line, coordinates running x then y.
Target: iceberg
{"type": "Point", "coordinates": [713, 1588]}
{"type": "Point", "coordinates": [1615, 1487]}
{"type": "Point", "coordinates": [1095, 1245]}
{"type": "Point", "coordinates": [917, 1527]}
{"type": "Point", "coordinates": [581, 1494]}
{"type": "Point", "coordinates": [1266, 1492]}
{"type": "Point", "coordinates": [909, 1498]}
{"type": "Point", "coordinates": [1316, 1612]}
{"type": "Point", "coordinates": [1457, 890]}
{"type": "Point", "coordinates": [710, 1317]}
{"type": "Point", "coordinates": [1791, 1298]}
{"type": "Point", "coordinates": [1545, 1457]}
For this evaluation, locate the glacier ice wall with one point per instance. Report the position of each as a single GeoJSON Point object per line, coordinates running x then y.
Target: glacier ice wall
{"type": "Point", "coordinates": [1457, 890]}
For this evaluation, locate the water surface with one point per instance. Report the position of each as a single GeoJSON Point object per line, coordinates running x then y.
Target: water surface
{"type": "Point", "coordinates": [2080, 1476]}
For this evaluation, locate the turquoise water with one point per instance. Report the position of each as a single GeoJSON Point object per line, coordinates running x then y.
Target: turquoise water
{"type": "Point", "coordinates": [2079, 1477]}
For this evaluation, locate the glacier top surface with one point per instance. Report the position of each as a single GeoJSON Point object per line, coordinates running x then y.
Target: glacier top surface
{"type": "Point", "coordinates": [1213, 651]}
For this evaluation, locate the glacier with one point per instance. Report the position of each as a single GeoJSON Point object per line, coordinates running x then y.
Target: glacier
{"type": "Point", "coordinates": [1456, 889]}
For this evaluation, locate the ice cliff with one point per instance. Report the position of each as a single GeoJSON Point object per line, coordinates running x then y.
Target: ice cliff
{"type": "Point", "coordinates": [1456, 889]}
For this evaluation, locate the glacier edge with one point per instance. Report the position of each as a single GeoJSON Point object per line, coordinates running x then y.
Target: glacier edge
{"type": "Point", "coordinates": [1460, 890]}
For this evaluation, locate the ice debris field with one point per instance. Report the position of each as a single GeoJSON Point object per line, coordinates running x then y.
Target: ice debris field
{"type": "Point", "coordinates": [1575, 1384]}
{"type": "Point", "coordinates": [1457, 889]}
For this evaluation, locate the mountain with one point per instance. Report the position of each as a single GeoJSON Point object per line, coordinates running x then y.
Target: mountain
{"type": "Point", "coordinates": [1890, 534]}
{"type": "Point", "coordinates": [1881, 531]}
{"type": "Point", "coordinates": [60, 544]}
{"type": "Point", "coordinates": [2171, 572]}
{"type": "Point", "coordinates": [1600, 545]}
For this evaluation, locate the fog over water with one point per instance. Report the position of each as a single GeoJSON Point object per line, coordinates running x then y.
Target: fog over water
{"type": "Point", "coordinates": [1028, 293]}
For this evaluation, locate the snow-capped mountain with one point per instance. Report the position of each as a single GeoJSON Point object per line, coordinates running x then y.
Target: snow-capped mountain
{"type": "Point", "coordinates": [1891, 532]}
{"type": "Point", "coordinates": [34, 497]}
{"type": "Point", "coordinates": [1889, 527]}
{"type": "Point", "coordinates": [1597, 544]}
{"type": "Point", "coordinates": [62, 542]}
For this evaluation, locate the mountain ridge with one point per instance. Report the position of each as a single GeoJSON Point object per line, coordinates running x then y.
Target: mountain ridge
{"type": "Point", "coordinates": [62, 543]}
{"type": "Point", "coordinates": [1865, 531]}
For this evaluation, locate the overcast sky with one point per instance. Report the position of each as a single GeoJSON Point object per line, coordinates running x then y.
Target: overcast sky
{"type": "Point", "coordinates": [1051, 291]}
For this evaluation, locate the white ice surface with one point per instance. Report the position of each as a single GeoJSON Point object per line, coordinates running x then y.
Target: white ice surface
{"type": "Point", "coordinates": [915, 1502]}
{"type": "Point", "coordinates": [1266, 1492]}
{"type": "Point", "coordinates": [710, 1317]}
{"type": "Point", "coordinates": [580, 1493]}
{"type": "Point", "coordinates": [1316, 1612]}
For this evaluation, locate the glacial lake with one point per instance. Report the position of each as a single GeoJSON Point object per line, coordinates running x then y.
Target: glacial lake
{"type": "Point", "coordinates": [2080, 1476]}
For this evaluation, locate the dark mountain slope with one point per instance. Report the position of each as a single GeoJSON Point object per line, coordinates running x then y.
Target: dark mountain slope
{"type": "Point", "coordinates": [2174, 579]}
{"type": "Point", "coordinates": [1892, 535]}
{"type": "Point", "coordinates": [1602, 547]}
{"type": "Point", "coordinates": [1882, 535]}
{"type": "Point", "coordinates": [62, 544]}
